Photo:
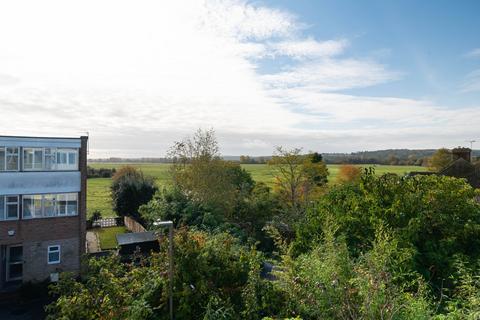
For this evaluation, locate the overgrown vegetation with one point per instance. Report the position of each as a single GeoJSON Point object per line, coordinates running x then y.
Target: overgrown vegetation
{"type": "Point", "coordinates": [130, 189]}
{"type": "Point", "coordinates": [369, 247]}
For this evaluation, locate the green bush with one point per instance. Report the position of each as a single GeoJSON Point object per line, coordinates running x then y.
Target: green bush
{"type": "Point", "coordinates": [131, 189]}
{"type": "Point", "coordinates": [435, 217]}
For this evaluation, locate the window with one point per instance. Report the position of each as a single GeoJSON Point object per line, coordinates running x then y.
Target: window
{"type": "Point", "coordinates": [33, 159]}
{"type": "Point", "coordinates": [9, 159]}
{"type": "Point", "coordinates": [67, 159]}
{"type": "Point", "coordinates": [50, 205]}
{"type": "Point", "coordinates": [8, 207]}
{"type": "Point", "coordinates": [53, 254]}
{"type": "Point", "coordinates": [32, 206]}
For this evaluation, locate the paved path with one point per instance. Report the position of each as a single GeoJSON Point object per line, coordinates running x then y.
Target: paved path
{"type": "Point", "coordinates": [93, 244]}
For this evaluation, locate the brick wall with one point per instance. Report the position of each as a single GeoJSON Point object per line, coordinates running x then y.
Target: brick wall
{"type": "Point", "coordinates": [39, 229]}
{"type": "Point", "coordinates": [35, 255]}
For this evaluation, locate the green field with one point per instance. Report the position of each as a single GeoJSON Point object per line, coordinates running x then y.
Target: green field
{"type": "Point", "coordinates": [98, 197]}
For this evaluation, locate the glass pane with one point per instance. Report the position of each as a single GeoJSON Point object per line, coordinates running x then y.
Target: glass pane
{"type": "Point", "coordinates": [2, 158]}
{"type": "Point", "coordinates": [38, 159]}
{"type": "Point", "coordinates": [53, 256]}
{"type": "Point", "coordinates": [72, 207]}
{"type": "Point", "coordinates": [37, 206]}
{"type": "Point", "coordinates": [12, 211]}
{"type": "Point", "coordinates": [49, 205]}
{"type": "Point", "coordinates": [12, 199]}
{"type": "Point", "coordinates": [72, 158]}
{"type": "Point", "coordinates": [12, 162]}
{"type": "Point", "coordinates": [16, 254]}
{"type": "Point", "coordinates": [62, 158]}
{"type": "Point", "coordinates": [62, 204]}
{"type": "Point", "coordinates": [2, 208]}
{"type": "Point", "coordinates": [28, 159]}
{"type": "Point", "coordinates": [15, 270]}
{"type": "Point", "coordinates": [28, 207]}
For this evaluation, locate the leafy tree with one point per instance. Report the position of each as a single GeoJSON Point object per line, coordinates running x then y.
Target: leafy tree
{"type": "Point", "coordinates": [349, 173]}
{"type": "Point", "coordinates": [297, 177]}
{"type": "Point", "coordinates": [434, 216]}
{"type": "Point", "coordinates": [213, 277]}
{"type": "Point", "coordinates": [440, 159]}
{"type": "Point", "coordinates": [131, 189]}
{"type": "Point", "coordinates": [328, 283]}
{"type": "Point", "coordinates": [200, 173]}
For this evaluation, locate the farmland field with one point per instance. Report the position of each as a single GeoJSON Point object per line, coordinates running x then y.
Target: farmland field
{"type": "Point", "coordinates": [98, 195]}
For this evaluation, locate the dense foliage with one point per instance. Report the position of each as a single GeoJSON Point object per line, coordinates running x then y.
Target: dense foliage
{"type": "Point", "coordinates": [214, 275]}
{"type": "Point", "coordinates": [130, 189]}
{"type": "Point", "coordinates": [370, 247]}
{"type": "Point", "coordinates": [100, 173]}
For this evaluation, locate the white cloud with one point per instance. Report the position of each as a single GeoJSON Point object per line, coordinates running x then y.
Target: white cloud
{"type": "Point", "coordinates": [139, 75]}
{"type": "Point", "coordinates": [309, 48]}
{"type": "Point", "coordinates": [472, 82]}
{"type": "Point", "coordinates": [332, 74]}
{"type": "Point", "coordinates": [475, 53]}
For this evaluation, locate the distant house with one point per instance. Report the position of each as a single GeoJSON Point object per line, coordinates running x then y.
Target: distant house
{"type": "Point", "coordinates": [460, 167]}
{"type": "Point", "coordinates": [42, 207]}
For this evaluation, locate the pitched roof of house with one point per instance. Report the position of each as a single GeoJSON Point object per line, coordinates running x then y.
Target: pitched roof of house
{"type": "Point", "coordinates": [462, 168]}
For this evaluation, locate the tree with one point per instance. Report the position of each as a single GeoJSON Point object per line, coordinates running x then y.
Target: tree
{"type": "Point", "coordinates": [297, 177]}
{"type": "Point", "coordinates": [435, 216]}
{"type": "Point", "coordinates": [349, 173]}
{"type": "Point", "coordinates": [131, 189]}
{"type": "Point", "coordinates": [203, 177]}
{"type": "Point", "coordinates": [440, 159]}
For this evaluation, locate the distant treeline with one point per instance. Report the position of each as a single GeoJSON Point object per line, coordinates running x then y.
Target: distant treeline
{"type": "Point", "coordinates": [100, 173]}
{"type": "Point", "coordinates": [388, 157]}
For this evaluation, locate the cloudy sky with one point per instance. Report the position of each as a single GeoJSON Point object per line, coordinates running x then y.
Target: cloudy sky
{"type": "Point", "coordinates": [330, 76]}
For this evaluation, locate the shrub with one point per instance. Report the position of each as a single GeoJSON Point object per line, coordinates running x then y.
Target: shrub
{"type": "Point", "coordinates": [436, 217]}
{"type": "Point", "coordinates": [130, 189]}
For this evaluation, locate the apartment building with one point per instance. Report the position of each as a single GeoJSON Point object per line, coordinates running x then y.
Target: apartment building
{"type": "Point", "coordinates": [42, 207]}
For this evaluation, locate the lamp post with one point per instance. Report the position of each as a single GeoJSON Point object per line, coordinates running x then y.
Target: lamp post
{"type": "Point", "coordinates": [169, 224]}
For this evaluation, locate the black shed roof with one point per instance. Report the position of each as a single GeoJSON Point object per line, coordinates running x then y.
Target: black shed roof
{"type": "Point", "coordinates": [135, 237]}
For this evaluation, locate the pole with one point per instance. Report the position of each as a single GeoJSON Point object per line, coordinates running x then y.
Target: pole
{"type": "Point", "coordinates": [170, 272]}
{"type": "Point", "coordinates": [169, 224]}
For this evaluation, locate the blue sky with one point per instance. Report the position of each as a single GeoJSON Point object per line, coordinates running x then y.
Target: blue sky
{"type": "Point", "coordinates": [426, 40]}
{"type": "Point", "coordinates": [329, 76]}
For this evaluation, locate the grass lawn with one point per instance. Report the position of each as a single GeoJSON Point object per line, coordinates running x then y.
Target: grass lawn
{"type": "Point", "coordinates": [98, 197]}
{"type": "Point", "coordinates": [107, 236]}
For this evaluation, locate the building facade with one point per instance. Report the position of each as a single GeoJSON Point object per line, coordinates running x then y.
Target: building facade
{"type": "Point", "coordinates": [42, 207]}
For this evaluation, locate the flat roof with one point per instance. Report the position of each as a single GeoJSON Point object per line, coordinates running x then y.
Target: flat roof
{"type": "Point", "coordinates": [39, 137]}
{"type": "Point", "coordinates": [135, 237]}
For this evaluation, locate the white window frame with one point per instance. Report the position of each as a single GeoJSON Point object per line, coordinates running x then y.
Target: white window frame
{"type": "Point", "coordinates": [5, 208]}
{"type": "Point", "coordinates": [49, 251]}
{"type": "Point", "coordinates": [33, 159]}
{"type": "Point", "coordinates": [9, 263]}
{"type": "Point", "coordinates": [66, 166]}
{"type": "Point", "coordinates": [10, 154]}
{"type": "Point", "coordinates": [67, 197]}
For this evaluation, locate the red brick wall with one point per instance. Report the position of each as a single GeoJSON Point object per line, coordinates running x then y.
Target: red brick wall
{"type": "Point", "coordinates": [39, 229]}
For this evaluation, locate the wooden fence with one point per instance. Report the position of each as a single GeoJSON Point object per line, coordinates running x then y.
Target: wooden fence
{"type": "Point", "coordinates": [133, 225]}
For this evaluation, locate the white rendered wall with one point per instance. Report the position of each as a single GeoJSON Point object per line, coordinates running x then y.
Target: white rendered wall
{"type": "Point", "coordinates": [39, 182]}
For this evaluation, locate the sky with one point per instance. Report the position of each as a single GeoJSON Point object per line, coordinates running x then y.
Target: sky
{"type": "Point", "coordinates": [326, 76]}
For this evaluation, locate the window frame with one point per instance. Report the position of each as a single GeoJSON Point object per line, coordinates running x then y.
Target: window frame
{"type": "Point", "coordinates": [9, 154]}
{"type": "Point", "coordinates": [33, 159]}
{"type": "Point", "coordinates": [6, 203]}
{"type": "Point", "coordinates": [59, 251]}
{"type": "Point", "coordinates": [66, 197]}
